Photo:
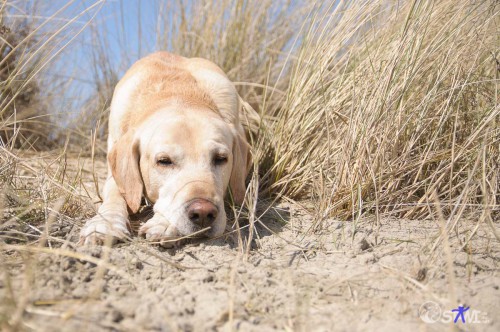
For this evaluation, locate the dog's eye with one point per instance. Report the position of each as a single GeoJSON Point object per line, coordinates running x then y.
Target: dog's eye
{"type": "Point", "coordinates": [164, 162]}
{"type": "Point", "coordinates": [220, 160]}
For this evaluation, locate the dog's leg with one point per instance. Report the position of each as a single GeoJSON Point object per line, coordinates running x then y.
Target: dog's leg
{"type": "Point", "coordinates": [111, 219]}
{"type": "Point", "coordinates": [158, 229]}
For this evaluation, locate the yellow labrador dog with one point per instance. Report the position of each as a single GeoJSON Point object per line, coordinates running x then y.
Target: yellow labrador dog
{"type": "Point", "coordinates": [175, 138]}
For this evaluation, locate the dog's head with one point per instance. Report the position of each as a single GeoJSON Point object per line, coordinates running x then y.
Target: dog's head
{"type": "Point", "coordinates": [184, 162]}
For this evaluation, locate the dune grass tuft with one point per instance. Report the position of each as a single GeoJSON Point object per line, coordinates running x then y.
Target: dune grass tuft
{"type": "Point", "coordinates": [387, 103]}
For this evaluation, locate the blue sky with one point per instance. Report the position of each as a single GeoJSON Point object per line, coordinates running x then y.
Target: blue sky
{"type": "Point", "coordinates": [126, 30]}
{"type": "Point", "coordinates": [118, 23]}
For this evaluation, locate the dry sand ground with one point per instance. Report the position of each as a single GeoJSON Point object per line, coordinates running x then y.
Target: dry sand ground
{"type": "Point", "coordinates": [330, 279]}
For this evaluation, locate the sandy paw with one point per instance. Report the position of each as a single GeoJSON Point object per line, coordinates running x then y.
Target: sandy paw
{"type": "Point", "coordinates": [99, 228]}
{"type": "Point", "coordinates": [158, 229]}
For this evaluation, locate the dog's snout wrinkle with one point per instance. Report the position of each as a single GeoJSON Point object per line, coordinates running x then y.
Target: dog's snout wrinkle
{"type": "Point", "coordinates": [188, 183]}
{"type": "Point", "coordinates": [202, 212]}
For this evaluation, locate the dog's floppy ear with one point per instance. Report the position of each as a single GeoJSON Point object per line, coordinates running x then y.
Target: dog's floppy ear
{"type": "Point", "coordinates": [124, 163]}
{"type": "Point", "coordinates": [242, 161]}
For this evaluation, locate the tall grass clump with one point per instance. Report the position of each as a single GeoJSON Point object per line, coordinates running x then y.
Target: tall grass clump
{"type": "Point", "coordinates": [33, 35]}
{"type": "Point", "coordinates": [21, 107]}
{"type": "Point", "coordinates": [389, 102]}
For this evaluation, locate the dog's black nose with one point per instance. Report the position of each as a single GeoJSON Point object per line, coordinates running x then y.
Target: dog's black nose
{"type": "Point", "coordinates": [202, 212]}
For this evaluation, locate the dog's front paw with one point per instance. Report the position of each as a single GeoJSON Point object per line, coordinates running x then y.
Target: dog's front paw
{"type": "Point", "coordinates": [101, 227]}
{"type": "Point", "coordinates": [158, 229]}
